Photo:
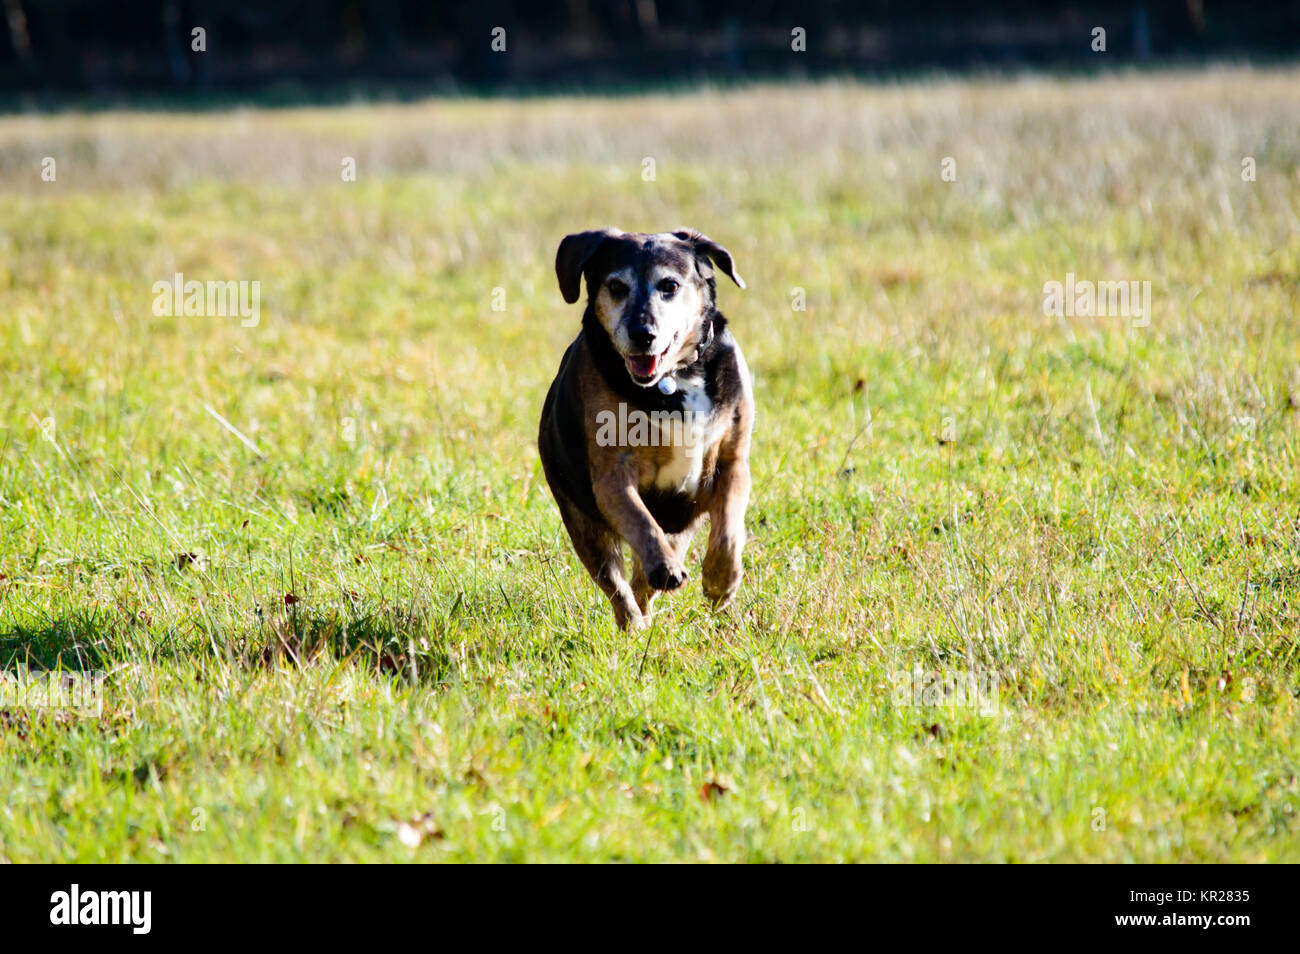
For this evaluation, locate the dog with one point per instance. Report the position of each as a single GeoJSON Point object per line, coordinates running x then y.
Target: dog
{"type": "Point", "coordinates": [646, 427]}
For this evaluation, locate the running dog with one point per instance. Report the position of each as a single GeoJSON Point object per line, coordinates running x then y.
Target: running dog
{"type": "Point", "coordinates": [646, 427]}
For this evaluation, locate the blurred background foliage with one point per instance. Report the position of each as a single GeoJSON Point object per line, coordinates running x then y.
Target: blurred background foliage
{"type": "Point", "coordinates": [330, 48]}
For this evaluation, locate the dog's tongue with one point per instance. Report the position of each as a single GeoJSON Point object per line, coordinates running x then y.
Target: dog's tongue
{"type": "Point", "coordinates": [643, 365]}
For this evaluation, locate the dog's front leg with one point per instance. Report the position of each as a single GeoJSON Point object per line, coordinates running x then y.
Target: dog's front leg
{"type": "Point", "coordinates": [622, 506]}
{"type": "Point", "coordinates": [723, 566]}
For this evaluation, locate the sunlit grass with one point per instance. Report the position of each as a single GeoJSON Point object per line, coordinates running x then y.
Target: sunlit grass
{"type": "Point", "coordinates": [1103, 514]}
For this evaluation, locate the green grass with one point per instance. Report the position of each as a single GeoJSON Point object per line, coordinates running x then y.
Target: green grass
{"type": "Point", "coordinates": [1110, 524]}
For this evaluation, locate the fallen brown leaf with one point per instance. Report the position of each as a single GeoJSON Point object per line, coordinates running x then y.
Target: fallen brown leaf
{"type": "Point", "coordinates": [713, 788]}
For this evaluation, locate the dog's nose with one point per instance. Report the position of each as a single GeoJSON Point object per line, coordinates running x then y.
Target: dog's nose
{"type": "Point", "coordinates": [641, 336]}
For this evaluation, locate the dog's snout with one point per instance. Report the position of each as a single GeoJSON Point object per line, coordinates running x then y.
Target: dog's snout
{"type": "Point", "coordinates": [641, 336]}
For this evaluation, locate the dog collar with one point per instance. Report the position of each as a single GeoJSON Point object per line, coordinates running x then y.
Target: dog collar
{"type": "Point", "coordinates": [668, 383]}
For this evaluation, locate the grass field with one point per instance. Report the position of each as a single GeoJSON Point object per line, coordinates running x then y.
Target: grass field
{"type": "Point", "coordinates": [359, 632]}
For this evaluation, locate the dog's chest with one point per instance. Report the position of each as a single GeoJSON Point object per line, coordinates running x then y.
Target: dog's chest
{"type": "Point", "coordinates": [684, 439]}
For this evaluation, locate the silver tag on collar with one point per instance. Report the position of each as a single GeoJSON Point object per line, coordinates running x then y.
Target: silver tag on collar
{"type": "Point", "coordinates": [667, 385]}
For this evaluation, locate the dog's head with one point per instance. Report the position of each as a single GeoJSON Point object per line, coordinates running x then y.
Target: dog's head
{"type": "Point", "coordinates": [651, 293]}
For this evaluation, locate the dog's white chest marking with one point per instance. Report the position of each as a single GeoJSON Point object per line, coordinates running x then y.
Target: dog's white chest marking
{"type": "Point", "coordinates": [687, 436]}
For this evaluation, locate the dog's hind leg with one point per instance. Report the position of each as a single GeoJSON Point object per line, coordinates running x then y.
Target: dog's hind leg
{"type": "Point", "coordinates": [601, 552]}
{"type": "Point", "coordinates": [641, 589]}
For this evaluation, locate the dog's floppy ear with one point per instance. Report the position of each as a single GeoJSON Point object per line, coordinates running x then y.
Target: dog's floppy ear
{"type": "Point", "coordinates": [713, 251]}
{"type": "Point", "coordinates": [572, 256]}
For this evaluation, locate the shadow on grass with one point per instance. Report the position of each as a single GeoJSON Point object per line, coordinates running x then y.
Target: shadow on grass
{"type": "Point", "coordinates": [403, 642]}
{"type": "Point", "coordinates": [407, 642]}
{"type": "Point", "coordinates": [419, 639]}
{"type": "Point", "coordinates": [82, 640]}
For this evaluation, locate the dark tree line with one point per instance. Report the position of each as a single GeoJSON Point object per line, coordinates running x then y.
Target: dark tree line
{"type": "Point", "coordinates": [90, 45]}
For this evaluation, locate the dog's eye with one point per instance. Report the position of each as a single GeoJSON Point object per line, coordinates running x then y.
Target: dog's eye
{"type": "Point", "coordinates": [617, 289]}
{"type": "Point", "coordinates": [668, 287]}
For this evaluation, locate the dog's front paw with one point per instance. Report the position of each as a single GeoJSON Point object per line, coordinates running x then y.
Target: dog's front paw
{"type": "Point", "coordinates": [629, 617]}
{"type": "Point", "coordinates": [722, 574]}
{"type": "Point", "coordinates": [720, 594]}
{"type": "Point", "coordinates": [667, 576]}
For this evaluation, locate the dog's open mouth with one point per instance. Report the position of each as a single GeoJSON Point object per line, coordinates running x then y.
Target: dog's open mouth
{"type": "Point", "coordinates": [644, 367]}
